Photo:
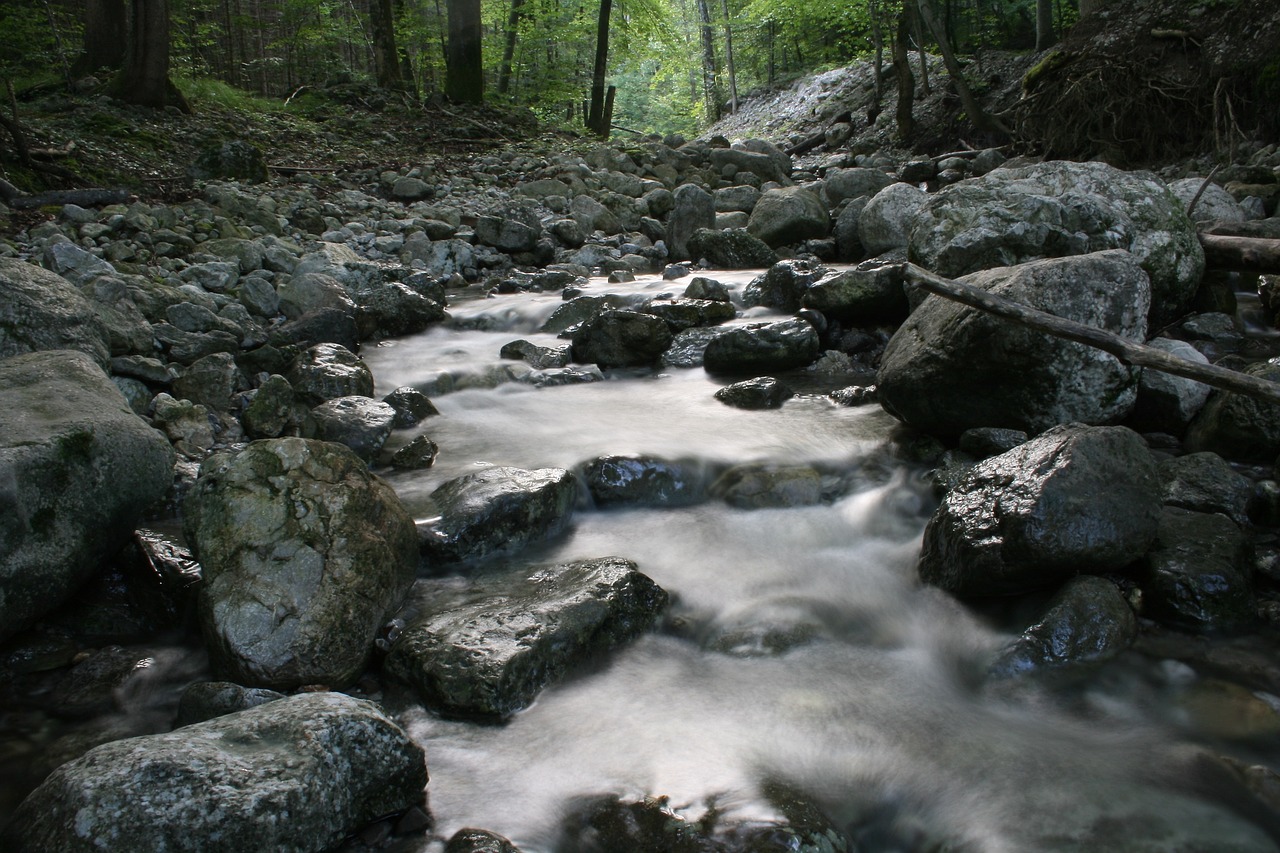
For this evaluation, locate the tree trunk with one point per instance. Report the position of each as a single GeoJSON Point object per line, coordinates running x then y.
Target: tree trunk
{"type": "Point", "coordinates": [917, 33]}
{"type": "Point", "coordinates": [1241, 254]}
{"type": "Point", "coordinates": [144, 78]}
{"type": "Point", "coordinates": [906, 82]}
{"type": "Point", "coordinates": [509, 49]}
{"type": "Point", "coordinates": [728, 58]}
{"type": "Point", "coordinates": [877, 39]}
{"type": "Point", "coordinates": [710, 90]}
{"type": "Point", "coordinates": [386, 58]}
{"type": "Point", "coordinates": [104, 36]}
{"type": "Point", "coordinates": [596, 120]}
{"type": "Point", "coordinates": [981, 119]}
{"type": "Point", "coordinates": [1044, 24]}
{"type": "Point", "coordinates": [464, 69]}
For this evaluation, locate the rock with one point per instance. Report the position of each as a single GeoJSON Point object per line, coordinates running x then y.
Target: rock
{"type": "Point", "coordinates": [758, 486]}
{"type": "Point", "coordinates": [188, 425]}
{"type": "Point", "coordinates": [730, 249]}
{"type": "Point", "coordinates": [75, 264]}
{"type": "Point", "coordinates": [981, 442]}
{"type": "Point", "coordinates": [763, 166]}
{"type": "Point", "coordinates": [274, 410]}
{"type": "Point", "coordinates": [763, 392]}
{"type": "Point", "coordinates": [233, 159]}
{"type": "Point", "coordinates": [848, 242]}
{"type": "Point", "coordinates": [1168, 403]}
{"type": "Point", "coordinates": [42, 311]}
{"type": "Point", "coordinates": [411, 189]}
{"type": "Point", "coordinates": [508, 234]}
{"type": "Point", "coordinates": [1088, 621]}
{"type": "Point", "coordinates": [620, 338]}
{"type": "Point", "coordinates": [681, 314]}
{"type": "Point", "coordinates": [392, 309]}
{"type": "Point", "coordinates": [742, 197]}
{"type": "Point", "coordinates": [306, 292]}
{"type": "Point", "coordinates": [694, 209]}
{"type": "Point", "coordinates": [305, 556]}
{"type": "Point", "coordinates": [1214, 204]}
{"type": "Point", "coordinates": [361, 423]}
{"type": "Point", "coordinates": [706, 288]}
{"type": "Point", "coordinates": [885, 223]}
{"type": "Point", "coordinates": [579, 310]}
{"type": "Point", "coordinates": [1073, 500]}
{"type": "Point", "coordinates": [1195, 577]}
{"type": "Point", "coordinates": [1056, 209]}
{"type": "Point", "coordinates": [1239, 427]}
{"type": "Point", "coordinates": [214, 276]}
{"type": "Point", "coordinates": [497, 509]}
{"type": "Point", "coordinates": [789, 215]}
{"type": "Point", "coordinates": [1204, 482]}
{"type": "Point", "coordinates": [840, 184]}
{"type": "Point", "coordinates": [950, 367]}
{"type": "Point", "coordinates": [207, 700]}
{"type": "Point", "coordinates": [763, 348]}
{"type": "Point", "coordinates": [479, 841]}
{"type": "Point", "coordinates": [783, 285]}
{"type": "Point", "coordinates": [487, 650]}
{"type": "Point", "coordinates": [411, 406]}
{"type": "Point", "coordinates": [211, 381]}
{"type": "Point", "coordinates": [872, 293]}
{"type": "Point", "coordinates": [416, 455]}
{"type": "Point", "coordinates": [328, 371]}
{"type": "Point", "coordinates": [324, 325]}
{"type": "Point", "coordinates": [591, 215]}
{"type": "Point", "coordinates": [643, 481]}
{"type": "Point", "coordinates": [539, 358]}
{"type": "Point", "coordinates": [294, 776]}
{"type": "Point", "coordinates": [77, 470]}
{"type": "Point", "coordinates": [259, 296]}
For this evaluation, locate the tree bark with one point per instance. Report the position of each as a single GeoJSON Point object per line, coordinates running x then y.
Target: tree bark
{"type": "Point", "coordinates": [1044, 24]}
{"type": "Point", "coordinates": [710, 89]}
{"type": "Point", "coordinates": [104, 36]}
{"type": "Point", "coordinates": [728, 58]}
{"type": "Point", "coordinates": [464, 69]}
{"type": "Point", "coordinates": [509, 49]}
{"type": "Point", "coordinates": [981, 119]}
{"type": "Point", "coordinates": [1127, 351]}
{"type": "Point", "coordinates": [386, 58]}
{"type": "Point", "coordinates": [906, 82]}
{"type": "Point", "coordinates": [144, 78]}
{"type": "Point", "coordinates": [1241, 254]}
{"type": "Point", "coordinates": [596, 121]}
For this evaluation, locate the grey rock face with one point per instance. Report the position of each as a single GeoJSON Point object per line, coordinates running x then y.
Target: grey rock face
{"type": "Point", "coordinates": [77, 469]}
{"type": "Point", "coordinates": [1196, 576]}
{"type": "Point", "coordinates": [328, 371]}
{"type": "Point", "coordinates": [1204, 482]}
{"type": "Point", "coordinates": [872, 293]}
{"type": "Point", "coordinates": [1076, 499]}
{"type": "Point", "coordinates": [789, 215]}
{"type": "Point", "coordinates": [305, 555]}
{"type": "Point", "coordinates": [1168, 403]}
{"type": "Point", "coordinates": [43, 311]}
{"type": "Point", "coordinates": [885, 223]}
{"type": "Point", "coordinates": [950, 367]}
{"type": "Point", "coordinates": [730, 249]}
{"type": "Point", "coordinates": [1056, 209]}
{"type": "Point", "coordinates": [762, 348]}
{"type": "Point", "coordinates": [1088, 621]}
{"type": "Point", "coordinates": [294, 776]}
{"type": "Point", "coordinates": [620, 338]}
{"type": "Point", "coordinates": [783, 285]}
{"type": "Point", "coordinates": [1239, 427]}
{"type": "Point", "coordinates": [694, 208]}
{"type": "Point", "coordinates": [487, 651]}
{"type": "Point", "coordinates": [498, 509]}
{"type": "Point", "coordinates": [361, 423]}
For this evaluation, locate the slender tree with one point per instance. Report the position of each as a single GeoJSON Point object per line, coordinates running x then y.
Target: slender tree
{"type": "Point", "coordinates": [386, 58]}
{"type": "Point", "coordinates": [981, 119]}
{"type": "Point", "coordinates": [144, 77]}
{"type": "Point", "coordinates": [464, 66]}
{"type": "Point", "coordinates": [1044, 24]}
{"type": "Point", "coordinates": [728, 58]}
{"type": "Point", "coordinates": [514, 16]}
{"type": "Point", "coordinates": [902, 67]}
{"type": "Point", "coordinates": [710, 87]}
{"type": "Point", "coordinates": [597, 119]}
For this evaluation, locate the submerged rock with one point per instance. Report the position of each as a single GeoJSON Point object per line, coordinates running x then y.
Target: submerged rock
{"type": "Point", "coordinates": [488, 649]}
{"type": "Point", "coordinates": [758, 486]}
{"type": "Point", "coordinates": [762, 348]}
{"type": "Point", "coordinates": [1196, 575]}
{"type": "Point", "coordinates": [1076, 499]}
{"type": "Point", "coordinates": [643, 481]}
{"type": "Point", "coordinates": [619, 338]}
{"type": "Point", "coordinates": [305, 556]}
{"type": "Point", "coordinates": [498, 509]}
{"type": "Point", "coordinates": [1239, 427]}
{"type": "Point", "coordinates": [295, 775]}
{"type": "Point", "coordinates": [1088, 621]}
{"type": "Point", "coordinates": [763, 392]}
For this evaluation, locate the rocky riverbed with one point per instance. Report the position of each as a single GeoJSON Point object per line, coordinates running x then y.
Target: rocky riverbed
{"type": "Point", "coordinates": [637, 487]}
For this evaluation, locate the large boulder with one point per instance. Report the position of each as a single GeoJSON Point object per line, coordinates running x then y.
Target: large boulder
{"type": "Point", "coordinates": [1238, 427]}
{"type": "Point", "coordinates": [789, 215]}
{"type": "Point", "coordinates": [761, 348]}
{"type": "Point", "coordinates": [497, 509]}
{"type": "Point", "coordinates": [620, 338]}
{"type": "Point", "coordinates": [872, 293]}
{"type": "Point", "coordinates": [950, 367]}
{"type": "Point", "coordinates": [296, 776]}
{"type": "Point", "coordinates": [487, 650]}
{"type": "Point", "coordinates": [783, 285]}
{"type": "Point", "coordinates": [885, 222]}
{"type": "Point", "coordinates": [730, 249]}
{"type": "Point", "coordinates": [43, 311]}
{"type": "Point", "coordinates": [328, 371]}
{"type": "Point", "coordinates": [305, 556]}
{"type": "Point", "coordinates": [77, 469]}
{"type": "Point", "coordinates": [729, 161]}
{"type": "Point", "coordinates": [694, 208]}
{"type": "Point", "coordinates": [1196, 577]}
{"type": "Point", "coordinates": [1060, 208]}
{"type": "Point", "coordinates": [1076, 499]}
{"type": "Point", "coordinates": [840, 184]}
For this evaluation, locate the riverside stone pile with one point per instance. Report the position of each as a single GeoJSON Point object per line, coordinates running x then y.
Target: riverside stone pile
{"type": "Point", "coordinates": [203, 357]}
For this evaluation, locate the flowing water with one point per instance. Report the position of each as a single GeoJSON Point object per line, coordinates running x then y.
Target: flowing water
{"type": "Point", "coordinates": [801, 649]}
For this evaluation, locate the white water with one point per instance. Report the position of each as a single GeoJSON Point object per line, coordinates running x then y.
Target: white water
{"type": "Point", "coordinates": [881, 714]}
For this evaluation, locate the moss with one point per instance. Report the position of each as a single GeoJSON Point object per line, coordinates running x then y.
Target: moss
{"type": "Point", "coordinates": [76, 446]}
{"type": "Point", "coordinates": [1052, 61]}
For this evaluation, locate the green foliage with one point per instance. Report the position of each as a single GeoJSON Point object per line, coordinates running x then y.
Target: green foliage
{"type": "Point", "coordinates": [207, 91]}
{"type": "Point", "coordinates": [28, 47]}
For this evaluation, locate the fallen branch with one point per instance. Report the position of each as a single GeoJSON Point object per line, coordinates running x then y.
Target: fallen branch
{"type": "Point", "coordinates": [1241, 254]}
{"type": "Point", "coordinates": [1127, 351]}
{"type": "Point", "coordinates": [291, 170]}
{"type": "Point", "coordinates": [82, 198]}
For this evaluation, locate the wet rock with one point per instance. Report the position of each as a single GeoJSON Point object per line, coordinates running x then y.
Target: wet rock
{"type": "Point", "coordinates": [621, 338]}
{"type": "Point", "coordinates": [762, 348]}
{"type": "Point", "coordinates": [643, 481]}
{"type": "Point", "coordinates": [950, 367]}
{"type": "Point", "coordinates": [211, 381]}
{"type": "Point", "coordinates": [324, 325]}
{"type": "Point", "coordinates": [411, 406]}
{"type": "Point", "coordinates": [687, 347]}
{"type": "Point", "coordinates": [870, 294]}
{"type": "Point", "coordinates": [1056, 209]}
{"type": "Point", "coordinates": [361, 423]}
{"type": "Point", "coordinates": [1196, 575]}
{"type": "Point", "coordinates": [305, 556]}
{"type": "Point", "coordinates": [498, 509]}
{"type": "Point", "coordinates": [885, 222]}
{"type": "Point", "coordinates": [539, 358]}
{"type": "Point", "coordinates": [758, 486]}
{"type": "Point", "coordinates": [392, 309]}
{"type": "Point", "coordinates": [328, 371]}
{"type": "Point", "coordinates": [707, 288]}
{"type": "Point", "coordinates": [1043, 512]}
{"type": "Point", "coordinates": [479, 841]}
{"type": "Point", "coordinates": [274, 410]}
{"type": "Point", "coordinates": [855, 395]}
{"type": "Point", "coordinates": [416, 455]}
{"type": "Point", "coordinates": [1239, 427]}
{"type": "Point", "coordinates": [694, 209]}
{"type": "Point", "coordinates": [730, 249]}
{"type": "Point", "coordinates": [77, 470]}
{"type": "Point", "coordinates": [1204, 482]}
{"type": "Point", "coordinates": [42, 311]}
{"type": "Point", "coordinates": [578, 310]}
{"type": "Point", "coordinates": [783, 285]}
{"type": "Point", "coordinates": [298, 775]}
{"type": "Point", "coordinates": [1088, 621]}
{"type": "Point", "coordinates": [763, 392]}
{"type": "Point", "coordinates": [488, 649]}
{"type": "Point", "coordinates": [981, 442]}
{"type": "Point", "coordinates": [1168, 403]}
{"type": "Point", "coordinates": [789, 215]}
{"type": "Point", "coordinates": [681, 314]}
{"type": "Point", "coordinates": [206, 700]}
